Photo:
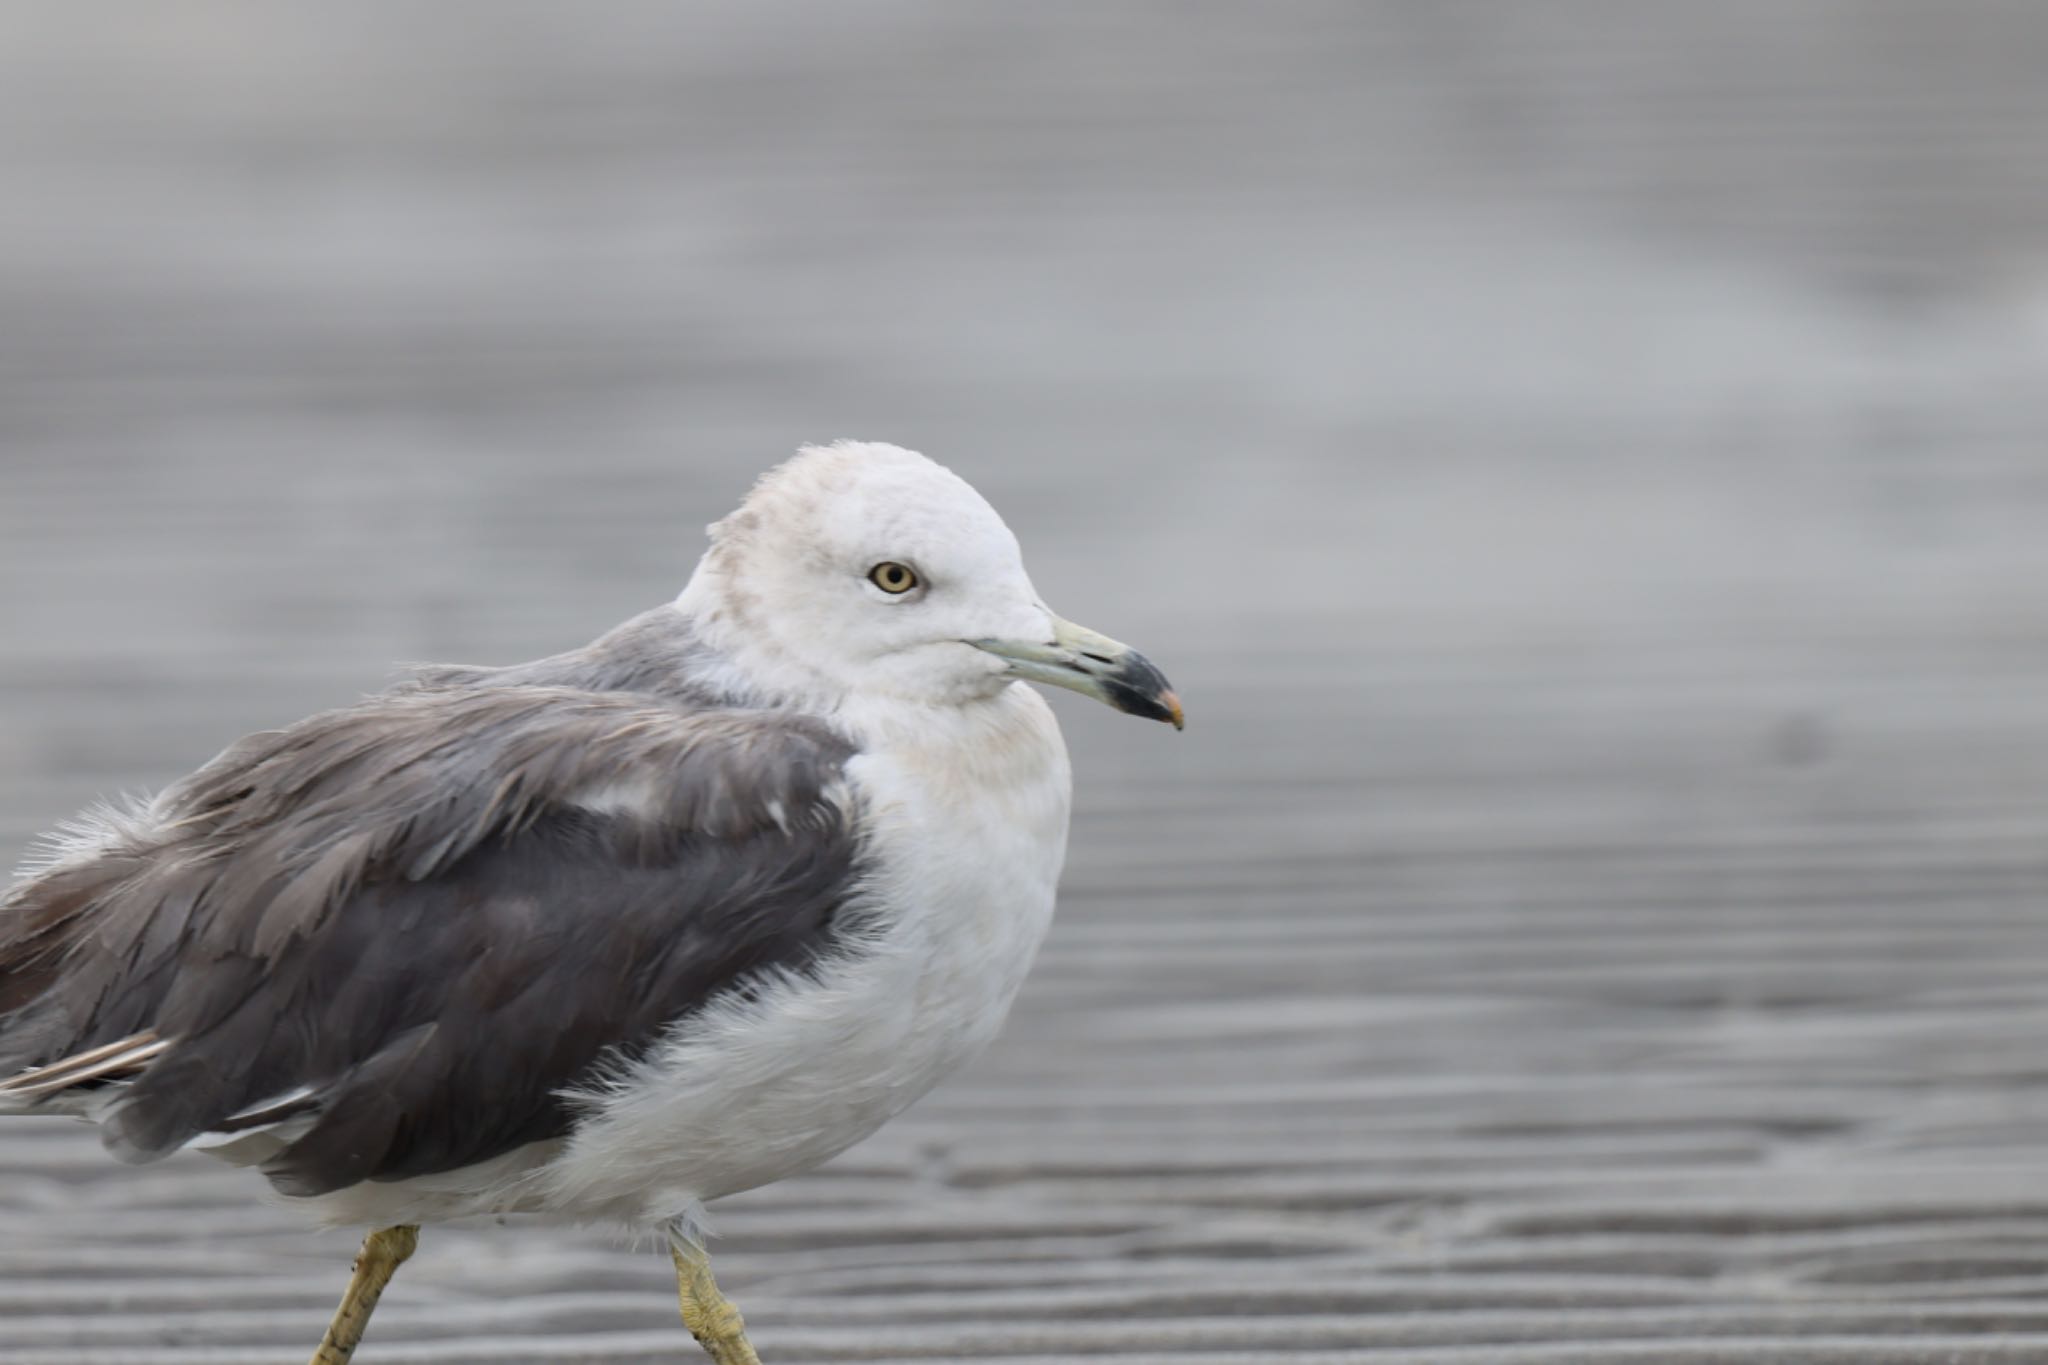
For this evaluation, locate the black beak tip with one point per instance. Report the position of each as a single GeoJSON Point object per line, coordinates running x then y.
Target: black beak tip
{"type": "Point", "coordinates": [1138, 688]}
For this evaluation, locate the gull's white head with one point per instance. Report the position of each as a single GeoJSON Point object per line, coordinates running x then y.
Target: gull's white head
{"type": "Point", "coordinates": [862, 568]}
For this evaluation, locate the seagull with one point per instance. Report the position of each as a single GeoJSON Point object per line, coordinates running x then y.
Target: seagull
{"type": "Point", "coordinates": [597, 938]}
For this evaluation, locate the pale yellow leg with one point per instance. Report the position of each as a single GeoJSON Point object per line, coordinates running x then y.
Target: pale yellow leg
{"type": "Point", "coordinates": [383, 1252]}
{"type": "Point", "coordinates": [708, 1314]}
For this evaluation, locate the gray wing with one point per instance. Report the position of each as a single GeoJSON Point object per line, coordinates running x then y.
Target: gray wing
{"type": "Point", "coordinates": [418, 919]}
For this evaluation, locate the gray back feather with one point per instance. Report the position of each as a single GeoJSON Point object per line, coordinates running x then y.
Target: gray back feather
{"type": "Point", "coordinates": [352, 904]}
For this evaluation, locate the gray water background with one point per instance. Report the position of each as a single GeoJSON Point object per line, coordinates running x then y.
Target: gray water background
{"type": "Point", "coordinates": [1585, 466]}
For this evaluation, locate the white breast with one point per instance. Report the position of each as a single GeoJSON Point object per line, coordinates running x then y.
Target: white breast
{"type": "Point", "coordinates": [965, 817]}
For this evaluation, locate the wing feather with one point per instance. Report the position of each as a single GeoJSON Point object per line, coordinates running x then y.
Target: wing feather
{"type": "Point", "coordinates": [398, 915]}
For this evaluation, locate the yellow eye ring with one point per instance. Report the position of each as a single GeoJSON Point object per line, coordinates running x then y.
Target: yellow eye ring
{"type": "Point", "coordinates": [893, 578]}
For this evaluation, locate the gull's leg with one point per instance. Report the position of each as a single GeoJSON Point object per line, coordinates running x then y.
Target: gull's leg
{"type": "Point", "coordinates": [383, 1252]}
{"type": "Point", "coordinates": [710, 1315]}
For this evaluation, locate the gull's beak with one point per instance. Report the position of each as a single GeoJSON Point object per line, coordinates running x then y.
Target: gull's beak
{"type": "Point", "coordinates": [1093, 665]}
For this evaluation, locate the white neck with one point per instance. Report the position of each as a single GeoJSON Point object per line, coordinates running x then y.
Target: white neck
{"type": "Point", "coordinates": [743, 662]}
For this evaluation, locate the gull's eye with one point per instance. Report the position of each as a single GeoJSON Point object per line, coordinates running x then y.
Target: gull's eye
{"type": "Point", "coordinates": [893, 578]}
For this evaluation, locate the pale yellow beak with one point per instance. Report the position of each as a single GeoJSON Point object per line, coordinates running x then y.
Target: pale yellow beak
{"type": "Point", "coordinates": [1094, 665]}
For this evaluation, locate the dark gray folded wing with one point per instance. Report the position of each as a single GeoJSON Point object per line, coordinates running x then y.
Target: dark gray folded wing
{"type": "Point", "coordinates": [410, 924]}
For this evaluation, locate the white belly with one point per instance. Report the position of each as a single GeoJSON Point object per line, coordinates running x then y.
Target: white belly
{"type": "Point", "coordinates": [966, 834]}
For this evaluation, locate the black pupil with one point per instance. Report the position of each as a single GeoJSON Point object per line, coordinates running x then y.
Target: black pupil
{"type": "Point", "coordinates": [895, 577]}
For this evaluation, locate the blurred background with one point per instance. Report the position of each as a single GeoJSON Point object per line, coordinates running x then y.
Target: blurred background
{"type": "Point", "coordinates": [1585, 466]}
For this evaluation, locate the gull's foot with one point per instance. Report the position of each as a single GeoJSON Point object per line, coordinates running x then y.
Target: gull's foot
{"type": "Point", "coordinates": [712, 1318]}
